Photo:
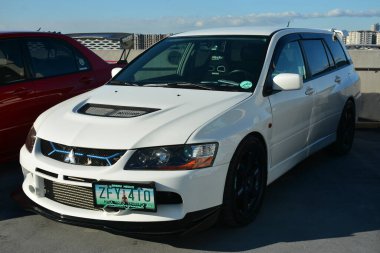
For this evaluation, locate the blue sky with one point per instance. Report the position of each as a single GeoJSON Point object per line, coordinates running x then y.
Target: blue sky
{"type": "Point", "coordinates": [166, 16]}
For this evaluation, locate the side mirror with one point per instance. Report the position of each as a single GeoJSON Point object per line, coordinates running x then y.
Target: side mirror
{"type": "Point", "coordinates": [287, 81]}
{"type": "Point", "coordinates": [114, 71]}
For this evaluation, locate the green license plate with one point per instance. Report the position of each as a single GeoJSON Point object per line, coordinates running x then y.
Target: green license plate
{"type": "Point", "coordinates": [124, 196]}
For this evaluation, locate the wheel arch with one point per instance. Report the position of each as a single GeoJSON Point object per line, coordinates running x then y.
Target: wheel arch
{"type": "Point", "coordinates": [261, 138]}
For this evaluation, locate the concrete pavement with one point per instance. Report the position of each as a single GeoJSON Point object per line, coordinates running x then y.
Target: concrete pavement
{"type": "Point", "coordinates": [325, 204]}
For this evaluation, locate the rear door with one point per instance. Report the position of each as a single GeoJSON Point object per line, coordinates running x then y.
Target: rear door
{"type": "Point", "coordinates": [327, 74]}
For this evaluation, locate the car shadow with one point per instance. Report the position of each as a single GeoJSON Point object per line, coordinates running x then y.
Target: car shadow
{"type": "Point", "coordinates": [10, 183]}
{"type": "Point", "coordinates": [325, 196]}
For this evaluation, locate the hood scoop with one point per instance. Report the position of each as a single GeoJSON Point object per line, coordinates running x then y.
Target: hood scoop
{"type": "Point", "coordinates": [114, 111]}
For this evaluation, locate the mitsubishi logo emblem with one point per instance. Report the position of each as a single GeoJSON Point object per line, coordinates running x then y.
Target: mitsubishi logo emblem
{"type": "Point", "coordinates": [70, 158]}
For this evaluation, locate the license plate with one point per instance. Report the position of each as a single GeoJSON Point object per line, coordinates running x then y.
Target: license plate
{"type": "Point", "coordinates": [124, 196]}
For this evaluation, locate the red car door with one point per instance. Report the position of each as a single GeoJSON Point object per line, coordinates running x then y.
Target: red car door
{"type": "Point", "coordinates": [14, 94]}
{"type": "Point", "coordinates": [48, 71]}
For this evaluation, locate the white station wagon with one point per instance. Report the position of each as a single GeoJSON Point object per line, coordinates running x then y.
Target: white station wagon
{"type": "Point", "coordinates": [192, 131]}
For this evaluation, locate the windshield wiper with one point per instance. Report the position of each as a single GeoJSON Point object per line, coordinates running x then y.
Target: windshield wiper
{"type": "Point", "coordinates": [117, 82]}
{"type": "Point", "coordinates": [186, 84]}
{"type": "Point", "coordinates": [224, 82]}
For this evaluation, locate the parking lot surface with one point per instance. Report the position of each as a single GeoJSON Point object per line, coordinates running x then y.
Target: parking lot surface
{"type": "Point", "coordinates": [325, 204]}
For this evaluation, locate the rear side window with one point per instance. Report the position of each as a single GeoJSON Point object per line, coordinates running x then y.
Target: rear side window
{"type": "Point", "coordinates": [11, 63]}
{"type": "Point", "coordinates": [316, 56]}
{"type": "Point", "coordinates": [339, 56]}
{"type": "Point", "coordinates": [50, 57]}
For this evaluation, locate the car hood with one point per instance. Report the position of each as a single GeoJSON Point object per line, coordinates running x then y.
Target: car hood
{"type": "Point", "coordinates": [180, 112]}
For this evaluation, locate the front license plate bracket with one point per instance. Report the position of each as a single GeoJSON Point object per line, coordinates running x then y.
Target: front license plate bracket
{"type": "Point", "coordinates": [131, 196]}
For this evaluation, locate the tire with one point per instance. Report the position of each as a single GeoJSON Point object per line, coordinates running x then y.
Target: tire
{"type": "Point", "coordinates": [346, 130]}
{"type": "Point", "coordinates": [245, 183]}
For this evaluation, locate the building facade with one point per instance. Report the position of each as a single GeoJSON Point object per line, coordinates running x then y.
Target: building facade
{"type": "Point", "coordinates": [375, 27]}
{"type": "Point", "coordinates": [144, 41]}
{"type": "Point", "coordinates": [361, 38]}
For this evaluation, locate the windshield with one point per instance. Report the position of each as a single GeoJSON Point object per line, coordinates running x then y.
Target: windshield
{"type": "Point", "coordinates": [228, 63]}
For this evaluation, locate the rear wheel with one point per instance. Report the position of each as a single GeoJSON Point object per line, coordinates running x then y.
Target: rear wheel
{"type": "Point", "coordinates": [346, 129]}
{"type": "Point", "coordinates": [245, 183]}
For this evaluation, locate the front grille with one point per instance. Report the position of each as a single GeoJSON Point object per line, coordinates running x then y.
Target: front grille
{"type": "Point", "coordinates": [82, 196]}
{"type": "Point", "coordinates": [71, 195]}
{"type": "Point", "coordinates": [114, 111]}
{"type": "Point", "coordinates": [80, 156]}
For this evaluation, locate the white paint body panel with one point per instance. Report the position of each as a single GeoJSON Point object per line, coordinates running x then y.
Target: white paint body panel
{"type": "Point", "coordinates": [302, 124]}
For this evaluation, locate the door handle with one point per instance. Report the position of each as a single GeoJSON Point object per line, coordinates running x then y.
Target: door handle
{"type": "Point", "coordinates": [337, 79]}
{"type": "Point", "coordinates": [309, 91]}
{"type": "Point", "coordinates": [18, 91]}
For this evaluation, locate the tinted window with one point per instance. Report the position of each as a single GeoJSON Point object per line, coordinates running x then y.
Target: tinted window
{"type": "Point", "coordinates": [51, 57]}
{"type": "Point", "coordinates": [337, 52]}
{"type": "Point", "coordinates": [290, 60]}
{"type": "Point", "coordinates": [331, 61]}
{"type": "Point", "coordinates": [316, 56]}
{"type": "Point", "coordinates": [11, 64]}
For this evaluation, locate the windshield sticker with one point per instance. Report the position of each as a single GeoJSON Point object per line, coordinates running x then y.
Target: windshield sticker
{"type": "Point", "coordinates": [245, 85]}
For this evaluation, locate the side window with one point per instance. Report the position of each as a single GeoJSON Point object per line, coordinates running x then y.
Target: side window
{"type": "Point", "coordinates": [339, 56]}
{"type": "Point", "coordinates": [50, 57]}
{"type": "Point", "coordinates": [329, 56]}
{"type": "Point", "coordinates": [11, 64]}
{"type": "Point", "coordinates": [316, 56]}
{"type": "Point", "coordinates": [290, 60]}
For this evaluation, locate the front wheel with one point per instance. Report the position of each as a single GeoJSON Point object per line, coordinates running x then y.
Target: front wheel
{"type": "Point", "coordinates": [346, 130]}
{"type": "Point", "coordinates": [245, 183]}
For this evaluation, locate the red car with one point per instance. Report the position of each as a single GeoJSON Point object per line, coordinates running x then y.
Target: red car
{"type": "Point", "coordinates": [37, 71]}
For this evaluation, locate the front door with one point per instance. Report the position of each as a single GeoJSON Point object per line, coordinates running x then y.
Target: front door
{"type": "Point", "coordinates": [290, 109]}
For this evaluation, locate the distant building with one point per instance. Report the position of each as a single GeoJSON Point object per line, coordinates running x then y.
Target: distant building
{"type": "Point", "coordinates": [111, 41]}
{"type": "Point", "coordinates": [378, 38]}
{"type": "Point", "coordinates": [361, 38]}
{"type": "Point", "coordinates": [375, 27]}
{"type": "Point", "coordinates": [344, 39]}
{"type": "Point", "coordinates": [144, 41]}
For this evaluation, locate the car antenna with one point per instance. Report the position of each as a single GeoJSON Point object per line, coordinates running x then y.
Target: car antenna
{"type": "Point", "coordinates": [288, 23]}
{"type": "Point", "coordinates": [39, 29]}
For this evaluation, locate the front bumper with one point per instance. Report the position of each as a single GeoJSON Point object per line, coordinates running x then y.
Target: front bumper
{"type": "Point", "coordinates": [192, 222]}
{"type": "Point", "coordinates": [201, 192]}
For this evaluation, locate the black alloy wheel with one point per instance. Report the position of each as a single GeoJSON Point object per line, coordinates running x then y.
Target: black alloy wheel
{"type": "Point", "coordinates": [346, 129]}
{"type": "Point", "coordinates": [245, 183]}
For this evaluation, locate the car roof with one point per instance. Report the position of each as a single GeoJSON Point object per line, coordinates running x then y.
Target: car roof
{"type": "Point", "coordinates": [247, 30]}
{"type": "Point", "coordinates": [15, 34]}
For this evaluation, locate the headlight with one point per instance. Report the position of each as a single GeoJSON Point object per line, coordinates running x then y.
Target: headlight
{"type": "Point", "coordinates": [30, 140]}
{"type": "Point", "coordinates": [183, 157]}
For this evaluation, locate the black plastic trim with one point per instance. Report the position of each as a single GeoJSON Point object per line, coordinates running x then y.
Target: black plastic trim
{"type": "Point", "coordinates": [193, 221]}
{"type": "Point", "coordinates": [48, 173]}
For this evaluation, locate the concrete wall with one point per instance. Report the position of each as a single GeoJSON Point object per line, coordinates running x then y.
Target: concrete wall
{"type": "Point", "coordinates": [367, 63]}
